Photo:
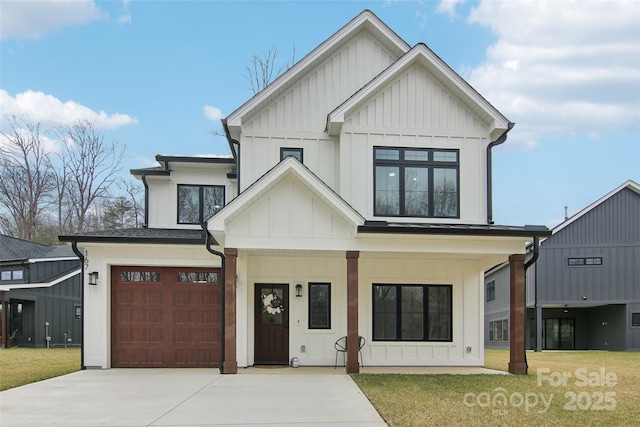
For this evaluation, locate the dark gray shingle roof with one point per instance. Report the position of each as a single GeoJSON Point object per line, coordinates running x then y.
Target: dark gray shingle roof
{"type": "Point", "coordinates": [140, 235]}
{"type": "Point", "coordinates": [14, 249]}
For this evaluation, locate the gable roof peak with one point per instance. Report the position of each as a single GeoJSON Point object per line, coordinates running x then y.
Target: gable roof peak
{"type": "Point", "coordinates": [365, 19]}
{"type": "Point", "coordinates": [629, 184]}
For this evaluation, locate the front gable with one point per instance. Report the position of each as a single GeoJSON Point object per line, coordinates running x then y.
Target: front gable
{"type": "Point", "coordinates": [419, 91]}
{"type": "Point", "coordinates": [321, 80]}
{"type": "Point", "coordinates": [288, 208]}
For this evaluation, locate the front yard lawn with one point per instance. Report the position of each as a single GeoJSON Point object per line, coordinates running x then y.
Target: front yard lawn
{"type": "Point", "coordinates": [20, 366]}
{"type": "Point", "coordinates": [575, 388]}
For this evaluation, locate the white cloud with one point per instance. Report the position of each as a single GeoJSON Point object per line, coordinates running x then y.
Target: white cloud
{"type": "Point", "coordinates": [49, 110]}
{"type": "Point", "coordinates": [124, 19]}
{"type": "Point", "coordinates": [212, 113]}
{"type": "Point", "coordinates": [448, 7]}
{"type": "Point", "coordinates": [562, 67]}
{"type": "Point", "coordinates": [33, 19]}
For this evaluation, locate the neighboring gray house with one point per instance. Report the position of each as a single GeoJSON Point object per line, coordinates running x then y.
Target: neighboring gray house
{"type": "Point", "coordinates": [40, 291]}
{"type": "Point", "coordinates": [584, 291]}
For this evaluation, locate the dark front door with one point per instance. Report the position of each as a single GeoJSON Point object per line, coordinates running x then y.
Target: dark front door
{"type": "Point", "coordinates": [271, 324]}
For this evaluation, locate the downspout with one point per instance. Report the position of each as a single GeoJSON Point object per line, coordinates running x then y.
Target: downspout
{"type": "Point", "coordinates": [74, 248]}
{"type": "Point", "coordinates": [502, 138]}
{"type": "Point", "coordinates": [236, 154]}
{"type": "Point", "coordinates": [534, 258]}
{"type": "Point", "coordinates": [222, 293]}
{"type": "Point", "coordinates": [146, 201]}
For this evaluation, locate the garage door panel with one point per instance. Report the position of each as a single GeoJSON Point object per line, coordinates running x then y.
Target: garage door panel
{"type": "Point", "coordinates": [165, 323]}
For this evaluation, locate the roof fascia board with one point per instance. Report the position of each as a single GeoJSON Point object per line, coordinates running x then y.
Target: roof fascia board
{"type": "Point", "coordinates": [523, 232]}
{"type": "Point", "coordinates": [335, 119]}
{"type": "Point", "coordinates": [234, 119]}
{"type": "Point", "coordinates": [40, 285]}
{"type": "Point", "coordinates": [35, 260]}
{"type": "Point", "coordinates": [630, 184]}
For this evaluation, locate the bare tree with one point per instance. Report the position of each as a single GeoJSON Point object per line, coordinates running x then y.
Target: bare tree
{"type": "Point", "coordinates": [90, 168]}
{"type": "Point", "coordinates": [26, 178]}
{"type": "Point", "coordinates": [262, 68]}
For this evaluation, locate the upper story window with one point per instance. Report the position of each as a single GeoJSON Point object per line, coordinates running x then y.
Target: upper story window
{"type": "Point", "coordinates": [584, 261]}
{"type": "Point", "coordinates": [491, 290]}
{"type": "Point", "coordinates": [416, 182]}
{"type": "Point", "coordinates": [294, 152]}
{"type": "Point", "coordinates": [197, 203]}
{"type": "Point", "coordinates": [10, 275]}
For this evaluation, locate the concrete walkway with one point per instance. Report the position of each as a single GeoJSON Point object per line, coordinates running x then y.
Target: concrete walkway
{"type": "Point", "coordinates": [190, 397]}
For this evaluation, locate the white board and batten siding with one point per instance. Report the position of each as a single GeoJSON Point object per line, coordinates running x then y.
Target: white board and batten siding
{"type": "Point", "coordinates": [297, 117]}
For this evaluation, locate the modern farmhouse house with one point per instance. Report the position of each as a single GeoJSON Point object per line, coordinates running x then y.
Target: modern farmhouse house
{"type": "Point", "coordinates": [584, 292]}
{"type": "Point", "coordinates": [356, 203]}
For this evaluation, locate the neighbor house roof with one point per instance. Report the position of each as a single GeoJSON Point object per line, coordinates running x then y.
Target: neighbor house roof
{"type": "Point", "coordinates": [631, 185]}
{"type": "Point", "coordinates": [140, 235]}
{"type": "Point", "coordinates": [14, 249]}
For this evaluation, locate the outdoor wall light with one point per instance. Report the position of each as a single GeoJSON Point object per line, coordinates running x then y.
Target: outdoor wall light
{"type": "Point", "coordinates": [298, 290]}
{"type": "Point", "coordinates": [566, 309]}
{"type": "Point", "coordinates": [93, 278]}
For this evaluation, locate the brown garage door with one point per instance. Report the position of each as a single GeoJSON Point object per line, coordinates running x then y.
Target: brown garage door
{"type": "Point", "coordinates": [165, 317]}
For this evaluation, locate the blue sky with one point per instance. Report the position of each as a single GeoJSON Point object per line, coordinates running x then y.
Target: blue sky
{"type": "Point", "coordinates": [158, 75]}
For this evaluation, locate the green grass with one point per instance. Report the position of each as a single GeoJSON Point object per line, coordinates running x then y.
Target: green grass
{"type": "Point", "coordinates": [439, 400]}
{"type": "Point", "coordinates": [20, 366]}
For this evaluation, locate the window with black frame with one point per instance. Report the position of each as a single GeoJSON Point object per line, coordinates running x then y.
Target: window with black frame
{"type": "Point", "coordinates": [319, 306]}
{"type": "Point", "coordinates": [412, 312]}
{"type": "Point", "coordinates": [291, 152]}
{"type": "Point", "coordinates": [416, 182]}
{"type": "Point", "coordinates": [491, 291]}
{"type": "Point", "coordinates": [197, 203]}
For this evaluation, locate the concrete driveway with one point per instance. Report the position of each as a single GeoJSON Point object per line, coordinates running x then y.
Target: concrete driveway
{"type": "Point", "coordinates": [190, 397]}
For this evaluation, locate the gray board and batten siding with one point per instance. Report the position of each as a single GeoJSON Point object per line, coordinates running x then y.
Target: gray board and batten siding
{"type": "Point", "coordinates": [587, 278]}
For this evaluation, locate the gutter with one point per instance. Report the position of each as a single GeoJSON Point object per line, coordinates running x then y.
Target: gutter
{"type": "Point", "coordinates": [222, 293]}
{"type": "Point", "coordinates": [74, 247]}
{"type": "Point", "coordinates": [233, 142]}
{"type": "Point", "coordinates": [502, 138]}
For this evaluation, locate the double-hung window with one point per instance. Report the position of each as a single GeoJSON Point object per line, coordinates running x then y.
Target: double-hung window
{"type": "Point", "coordinates": [416, 182]}
{"type": "Point", "coordinates": [412, 312]}
{"type": "Point", "coordinates": [197, 203]}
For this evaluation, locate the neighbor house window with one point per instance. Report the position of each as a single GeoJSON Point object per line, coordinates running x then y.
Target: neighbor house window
{"type": "Point", "coordinates": [412, 312]}
{"type": "Point", "coordinates": [499, 330]}
{"type": "Point", "coordinates": [293, 152]}
{"type": "Point", "coordinates": [416, 182]}
{"type": "Point", "coordinates": [635, 319]}
{"type": "Point", "coordinates": [491, 290]}
{"type": "Point", "coordinates": [584, 261]}
{"type": "Point", "coordinates": [12, 275]}
{"type": "Point", "coordinates": [197, 203]}
{"type": "Point", "coordinates": [319, 306]}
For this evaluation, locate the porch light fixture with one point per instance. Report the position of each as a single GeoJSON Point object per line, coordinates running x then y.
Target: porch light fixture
{"type": "Point", "coordinates": [93, 278]}
{"type": "Point", "coordinates": [566, 309]}
{"type": "Point", "coordinates": [298, 290]}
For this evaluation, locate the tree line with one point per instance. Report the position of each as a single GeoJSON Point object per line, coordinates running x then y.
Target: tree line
{"type": "Point", "coordinates": [45, 192]}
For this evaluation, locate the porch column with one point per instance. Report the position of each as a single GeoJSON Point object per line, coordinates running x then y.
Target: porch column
{"type": "Point", "coordinates": [517, 332]}
{"type": "Point", "coordinates": [5, 328]}
{"type": "Point", "coordinates": [353, 365]}
{"type": "Point", "coordinates": [230, 364]}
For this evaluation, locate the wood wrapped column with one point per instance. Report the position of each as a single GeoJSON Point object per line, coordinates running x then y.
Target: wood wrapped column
{"type": "Point", "coordinates": [517, 346]}
{"type": "Point", "coordinates": [230, 365]}
{"type": "Point", "coordinates": [353, 366]}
